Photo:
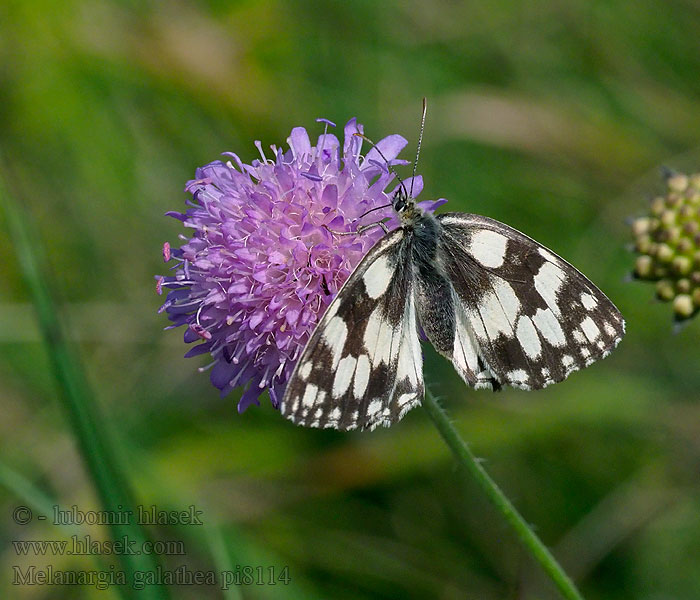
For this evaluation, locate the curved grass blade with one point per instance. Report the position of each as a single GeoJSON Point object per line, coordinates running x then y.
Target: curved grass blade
{"type": "Point", "coordinates": [85, 418]}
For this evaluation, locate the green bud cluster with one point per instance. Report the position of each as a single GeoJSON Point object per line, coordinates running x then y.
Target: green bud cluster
{"type": "Point", "coordinates": [667, 242]}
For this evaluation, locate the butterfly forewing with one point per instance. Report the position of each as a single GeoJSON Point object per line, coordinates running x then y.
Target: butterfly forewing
{"type": "Point", "coordinates": [362, 366]}
{"type": "Point", "coordinates": [523, 316]}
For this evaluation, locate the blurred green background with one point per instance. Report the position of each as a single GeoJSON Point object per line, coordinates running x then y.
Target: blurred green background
{"type": "Point", "coordinates": [551, 116]}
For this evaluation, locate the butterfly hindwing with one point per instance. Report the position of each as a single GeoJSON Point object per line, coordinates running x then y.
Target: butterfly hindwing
{"type": "Point", "coordinates": [362, 366]}
{"type": "Point", "coordinates": [523, 316]}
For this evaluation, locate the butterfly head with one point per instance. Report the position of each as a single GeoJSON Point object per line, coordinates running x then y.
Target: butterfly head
{"type": "Point", "coordinates": [405, 205]}
{"type": "Point", "coordinates": [400, 200]}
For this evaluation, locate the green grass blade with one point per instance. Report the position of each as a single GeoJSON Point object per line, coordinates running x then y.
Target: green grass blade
{"type": "Point", "coordinates": [78, 401]}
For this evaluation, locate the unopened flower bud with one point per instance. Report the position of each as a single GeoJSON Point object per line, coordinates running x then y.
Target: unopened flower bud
{"type": "Point", "coordinates": [644, 267]}
{"type": "Point", "coordinates": [678, 182]}
{"type": "Point", "coordinates": [664, 253]}
{"type": "Point", "coordinates": [665, 290]}
{"type": "Point", "coordinates": [684, 246]}
{"type": "Point", "coordinates": [683, 286]}
{"type": "Point", "coordinates": [682, 265]}
{"type": "Point", "coordinates": [667, 241]}
{"type": "Point", "coordinates": [683, 306]}
{"type": "Point", "coordinates": [641, 225]}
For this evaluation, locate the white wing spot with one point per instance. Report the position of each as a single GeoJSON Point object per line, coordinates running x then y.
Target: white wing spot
{"type": "Point", "coordinates": [405, 400]}
{"type": "Point", "coordinates": [414, 340]}
{"type": "Point", "coordinates": [410, 359]}
{"type": "Point", "coordinates": [343, 376]}
{"type": "Point", "coordinates": [476, 323]}
{"type": "Point", "coordinates": [378, 338]}
{"type": "Point", "coordinates": [585, 352]}
{"type": "Point", "coordinates": [548, 281]}
{"type": "Point", "coordinates": [488, 247]}
{"type": "Point", "coordinates": [305, 370]}
{"type": "Point", "coordinates": [589, 302]}
{"type": "Point", "coordinates": [374, 407]}
{"type": "Point", "coordinates": [463, 351]}
{"type": "Point", "coordinates": [408, 364]}
{"type": "Point", "coordinates": [517, 376]}
{"type": "Point", "coordinates": [309, 396]}
{"type": "Point", "coordinates": [546, 254]}
{"type": "Point", "coordinates": [609, 329]}
{"type": "Point", "coordinates": [579, 337]}
{"type": "Point", "coordinates": [334, 334]}
{"type": "Point", "coordinates": [377, 277]}
{"type": "Point", "coordinates": [567, 361]}
{"type": "Point", "coordinates": [509, 301]}
{"type": "Point", "coordinates": [590, 329]}
{"type": "Point", "coordinates": [494, 317]}
{"type": "Point", "coordinates": [528, 337]}
{"type": "Point", "coordinates": [549, 327]}
{"type": "Point", "coordinates": [361, 376]}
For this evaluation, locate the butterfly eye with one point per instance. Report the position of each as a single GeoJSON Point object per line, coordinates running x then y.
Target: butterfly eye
{"type": "Point", "coordinates": [399, 201]}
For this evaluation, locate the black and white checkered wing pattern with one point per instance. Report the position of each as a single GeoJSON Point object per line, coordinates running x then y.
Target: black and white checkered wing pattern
{"type": "Point", "coordinates": [523, 316]}
{"type": "Point", "coordinates": [362, 366]}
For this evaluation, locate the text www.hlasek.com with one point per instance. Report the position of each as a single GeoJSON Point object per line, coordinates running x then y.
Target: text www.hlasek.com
{"type": "Point", "coordinates": [86, 545]}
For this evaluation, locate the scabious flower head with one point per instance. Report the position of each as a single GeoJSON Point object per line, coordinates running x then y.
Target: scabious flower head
{"type": "Point", "coordinates": [667, 241]}
{"type": "Point", "coordinates": [273, 241]}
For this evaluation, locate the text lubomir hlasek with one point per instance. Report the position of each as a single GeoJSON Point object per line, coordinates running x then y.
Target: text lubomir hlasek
{"type": "Point", "coordinates": [143, 515]}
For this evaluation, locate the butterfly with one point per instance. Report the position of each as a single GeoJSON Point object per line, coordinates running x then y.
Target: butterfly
{"type": "Point", "coordinates": [502, 307]}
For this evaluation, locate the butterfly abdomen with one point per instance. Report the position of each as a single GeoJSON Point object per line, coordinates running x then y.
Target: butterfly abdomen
{"type": "Point", "coordinates": [434, 298]}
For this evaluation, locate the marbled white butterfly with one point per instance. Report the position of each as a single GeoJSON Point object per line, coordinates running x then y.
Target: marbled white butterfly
{"type": "Point", "coordinates": [503, 308]}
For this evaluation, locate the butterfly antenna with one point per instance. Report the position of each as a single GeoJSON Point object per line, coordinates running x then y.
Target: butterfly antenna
{"type": "Point", "coordinates": [388, 166]}
{"type": "Point", "coordinates": [420, 141]}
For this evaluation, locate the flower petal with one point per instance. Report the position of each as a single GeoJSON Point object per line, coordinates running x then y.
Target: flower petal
{"type": "Point", "coordinates": [352, 143]}
{"type": "Point", "coordinates": [299, 142]}
{"type": "Point", "coordinates": [389, 146]}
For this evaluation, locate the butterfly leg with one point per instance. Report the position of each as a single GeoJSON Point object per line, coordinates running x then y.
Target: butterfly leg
{"type": "Point", "coordinates": [381, 224]}
{"type": "Point", "coordinates": [360, 229]}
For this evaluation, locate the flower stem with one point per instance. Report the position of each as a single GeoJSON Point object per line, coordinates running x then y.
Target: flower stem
{"type": "Point", "coordinates": [527, 536]}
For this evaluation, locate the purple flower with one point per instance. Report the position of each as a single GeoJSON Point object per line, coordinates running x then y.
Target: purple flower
{"type": "Point", "coordinates": [267, 256]}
